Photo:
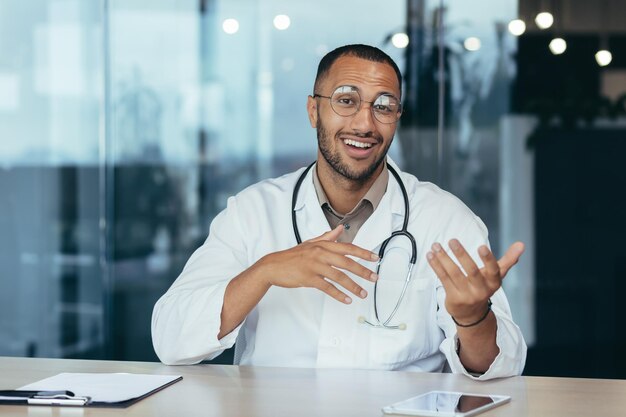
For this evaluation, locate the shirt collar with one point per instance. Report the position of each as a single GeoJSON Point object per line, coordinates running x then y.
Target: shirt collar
{"type": "Point", "coordinates": [374, 195]}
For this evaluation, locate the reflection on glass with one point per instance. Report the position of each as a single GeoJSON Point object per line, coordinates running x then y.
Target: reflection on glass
{"type": "Point", "coordinates": [471, 402]}
{"type": "Point", "coordinates": [119, 146]}
{"type": "Point", "coordinates": [51, 287]}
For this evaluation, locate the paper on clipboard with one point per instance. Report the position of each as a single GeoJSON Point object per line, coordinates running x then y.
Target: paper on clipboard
{"type": "Point", "coordinates": [105, 388]}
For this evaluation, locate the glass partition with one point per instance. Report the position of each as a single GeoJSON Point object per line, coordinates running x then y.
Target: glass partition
{"type": "Point", "coordinates": [51, 87]}
{"type": "Point", "coordinates": [126, 124]}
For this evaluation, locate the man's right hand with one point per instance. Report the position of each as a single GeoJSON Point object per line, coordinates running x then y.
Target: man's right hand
{"type": "Point", "coordinates": [317, 263]}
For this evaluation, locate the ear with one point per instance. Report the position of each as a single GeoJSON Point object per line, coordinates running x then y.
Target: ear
{"type": "Point", "coordinates": [311, 108]}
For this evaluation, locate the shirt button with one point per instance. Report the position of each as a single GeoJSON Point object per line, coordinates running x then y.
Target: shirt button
{"type": "Point", "coordinates": [346, 226]}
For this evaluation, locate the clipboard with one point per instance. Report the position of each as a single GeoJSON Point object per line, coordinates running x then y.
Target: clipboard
{"type": "Point", "coordinates": [115, 390]}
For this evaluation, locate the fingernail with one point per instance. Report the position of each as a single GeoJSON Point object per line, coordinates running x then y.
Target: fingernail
{"type": "Point", "coordinates": [436, 247]}
{"type": "Point", "coordinates": [483, 251]}
{"type": "Point", "coordinates": [363, 293]}
{"type": "Point", "coordinates": [374, 257]}
{"type": "Point", "coordinates": [454, 244]}
{"type": "Point", "coordinates": [374, 277]}
{"type": "Point", "coordinates": [348, 300]}
{"type": "Point", "coordinates": [430, 256]}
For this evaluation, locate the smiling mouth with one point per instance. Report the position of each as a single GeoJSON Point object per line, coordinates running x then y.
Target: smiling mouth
{"type": "Point", "coordinates": [357, 144]}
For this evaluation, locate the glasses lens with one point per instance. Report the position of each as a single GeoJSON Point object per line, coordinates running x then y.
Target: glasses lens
{"type": "Point", "coordinates": [345, 101]}
{"type": "Point", "coordinates": [386, 109]}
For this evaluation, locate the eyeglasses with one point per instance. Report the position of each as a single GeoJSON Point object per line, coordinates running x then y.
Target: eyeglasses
{"type": "Point", "coordinates": [346, 101]}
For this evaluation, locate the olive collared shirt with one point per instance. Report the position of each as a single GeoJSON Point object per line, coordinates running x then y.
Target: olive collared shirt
{"type": "Point", "coordinates": [353, 220]}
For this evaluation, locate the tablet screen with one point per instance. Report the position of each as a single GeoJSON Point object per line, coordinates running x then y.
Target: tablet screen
{"type": "Point", "coordinates": [445, 403]}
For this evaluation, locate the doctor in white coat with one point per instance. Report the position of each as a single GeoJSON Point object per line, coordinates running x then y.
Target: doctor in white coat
{"type": "Point", "coordinates": [320, 303]}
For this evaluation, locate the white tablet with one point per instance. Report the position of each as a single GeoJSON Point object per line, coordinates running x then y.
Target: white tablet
{"type": "Point", "coordinates": [446, 404]}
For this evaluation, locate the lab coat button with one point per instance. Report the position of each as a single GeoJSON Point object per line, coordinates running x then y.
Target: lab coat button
{"type": "Point", "coordinates": [335, 341]}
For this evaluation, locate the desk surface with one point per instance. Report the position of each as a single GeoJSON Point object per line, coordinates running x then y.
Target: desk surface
{"type": "Point", "coordinates": [225, 391]}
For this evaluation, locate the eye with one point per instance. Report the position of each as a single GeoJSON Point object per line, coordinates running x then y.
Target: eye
{"type": "Point", "coordinates": [385, 105]}
{"type": "Point", "coordinates": [380, 108]}
{"type": "Point", "coordinates": [345, 100]}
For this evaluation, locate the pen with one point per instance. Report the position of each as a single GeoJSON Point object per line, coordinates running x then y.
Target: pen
{"type": "Point", "coordinates": [75, 401]}
{"type": "Point", "coordinates": [63, 397]}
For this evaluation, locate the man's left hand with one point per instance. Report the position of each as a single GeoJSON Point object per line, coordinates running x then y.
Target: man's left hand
{"type": "Point", "coordinates": [467, 293]}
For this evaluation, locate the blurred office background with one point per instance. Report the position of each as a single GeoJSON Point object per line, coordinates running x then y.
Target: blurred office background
{"type": "Point", "coordinates": [125, 125]}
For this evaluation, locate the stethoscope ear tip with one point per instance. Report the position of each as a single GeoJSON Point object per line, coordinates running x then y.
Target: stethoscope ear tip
{"type": "Point", "coordinates": [402, 326]}
{"type": "Point", "coordinates": [361, 319]}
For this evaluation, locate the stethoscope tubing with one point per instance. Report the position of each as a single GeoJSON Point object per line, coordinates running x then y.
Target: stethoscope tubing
{"type": "Point", "coordinates": [381, 253]}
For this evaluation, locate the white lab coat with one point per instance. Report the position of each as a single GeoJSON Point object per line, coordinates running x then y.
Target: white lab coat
{"type": "Point", "coordinates": [305, 328]}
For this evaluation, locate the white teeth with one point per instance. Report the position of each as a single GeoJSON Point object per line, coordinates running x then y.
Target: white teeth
{"type": "Point", "coordinates": [357, 144]}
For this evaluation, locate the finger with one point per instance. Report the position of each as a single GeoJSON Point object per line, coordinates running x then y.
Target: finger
{"type": "Point", "coordinates": [491, 269]}
{"type": "Point", "coordinates": [331, 235]}
{"type": "Point", "coordinates": [343, 262]}
{"type": "Point", "coordinates": [353, 250]}
{"type": "Point", "coordinates": [440, 271]}
{"type": "Point", "coordinates": [452, 269]}
{"type": "Point", "coordinates": [466, 261]}
{"type": "Point", "coordinates": [511, 257]}
{"type": "Point", "coordinates": [342, 279]}
{"type": "Point", "coordinates": [330, 289]}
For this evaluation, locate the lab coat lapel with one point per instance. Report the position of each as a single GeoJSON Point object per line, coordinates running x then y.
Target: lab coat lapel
{"type": "Point", "coordinates": [311, 220]}
{"type": "Point", "coordinates": [387, 218]}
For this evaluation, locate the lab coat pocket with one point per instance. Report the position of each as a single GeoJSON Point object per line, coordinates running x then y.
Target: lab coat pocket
{"type": "Point", "coordinates": [415, 317]}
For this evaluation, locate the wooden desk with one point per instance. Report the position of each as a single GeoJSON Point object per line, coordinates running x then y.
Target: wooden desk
{"type": "Point", "coordinates": [229, 391]}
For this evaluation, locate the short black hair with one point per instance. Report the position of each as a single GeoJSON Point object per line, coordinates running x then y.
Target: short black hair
{"type": "Point", "coordinates": [370, 53]}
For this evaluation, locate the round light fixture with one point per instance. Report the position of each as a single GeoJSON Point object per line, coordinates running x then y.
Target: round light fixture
{"type": "Point", "coordinates": [282, 21]}
{"type": "Point", "coordinates": [558, 46]}
{"type": "Point", "coordinates": [544, 20]}
{"type": "Point", "coordinates": [604, 57]}
{"type": "Point", "coordinates": [230, 26]}
{"type": "Point", "coordinates": [321, 49]}
{"type": "Point", "coordinates": [287, 64]}
{"type": "Point", "coordinates": [400, 40]}
{"type": "Point", "coordinates": [472, 44]}
{"type": "Point", "coordinates": [517, 27]}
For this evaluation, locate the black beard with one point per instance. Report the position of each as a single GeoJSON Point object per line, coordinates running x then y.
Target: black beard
{"type": "Point", "coordinates": [323, 142]}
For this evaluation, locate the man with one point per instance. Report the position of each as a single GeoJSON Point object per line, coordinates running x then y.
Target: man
{"type": "Point", "coordinates": [320, 303]}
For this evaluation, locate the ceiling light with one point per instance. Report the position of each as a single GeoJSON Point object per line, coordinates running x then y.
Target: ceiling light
{"type": "Point", "coordinates": [287, 64]}
{"type": "Point", "coordinates": [558, 46]}
{"type": "Point", "coordinates": [472, 44]}
{"type": "Point", "coordinates": [400, 40]}
{"type": "Point", "coordinates": [517, 27]}
{"type": "Point", "coordinates": [230, 26]}
{"type": "Point", "coordinates": [321, 49]}
{"type": "Point", "coordinates": [282, 21]}
{"type": "Point", "coordinates": [544, 20]}
{"type": "Point", "coordinates": [603, 57]}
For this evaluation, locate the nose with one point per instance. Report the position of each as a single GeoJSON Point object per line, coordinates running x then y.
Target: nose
{"type": "Point", "coordinates": [363, 120]}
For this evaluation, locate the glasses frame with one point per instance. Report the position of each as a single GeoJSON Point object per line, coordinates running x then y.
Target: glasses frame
{"type": "Point", "coordinates": [361, 101]}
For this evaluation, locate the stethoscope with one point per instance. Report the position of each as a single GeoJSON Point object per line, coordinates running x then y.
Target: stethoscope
{"type": "Point", "coordinates": [381, 252]}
